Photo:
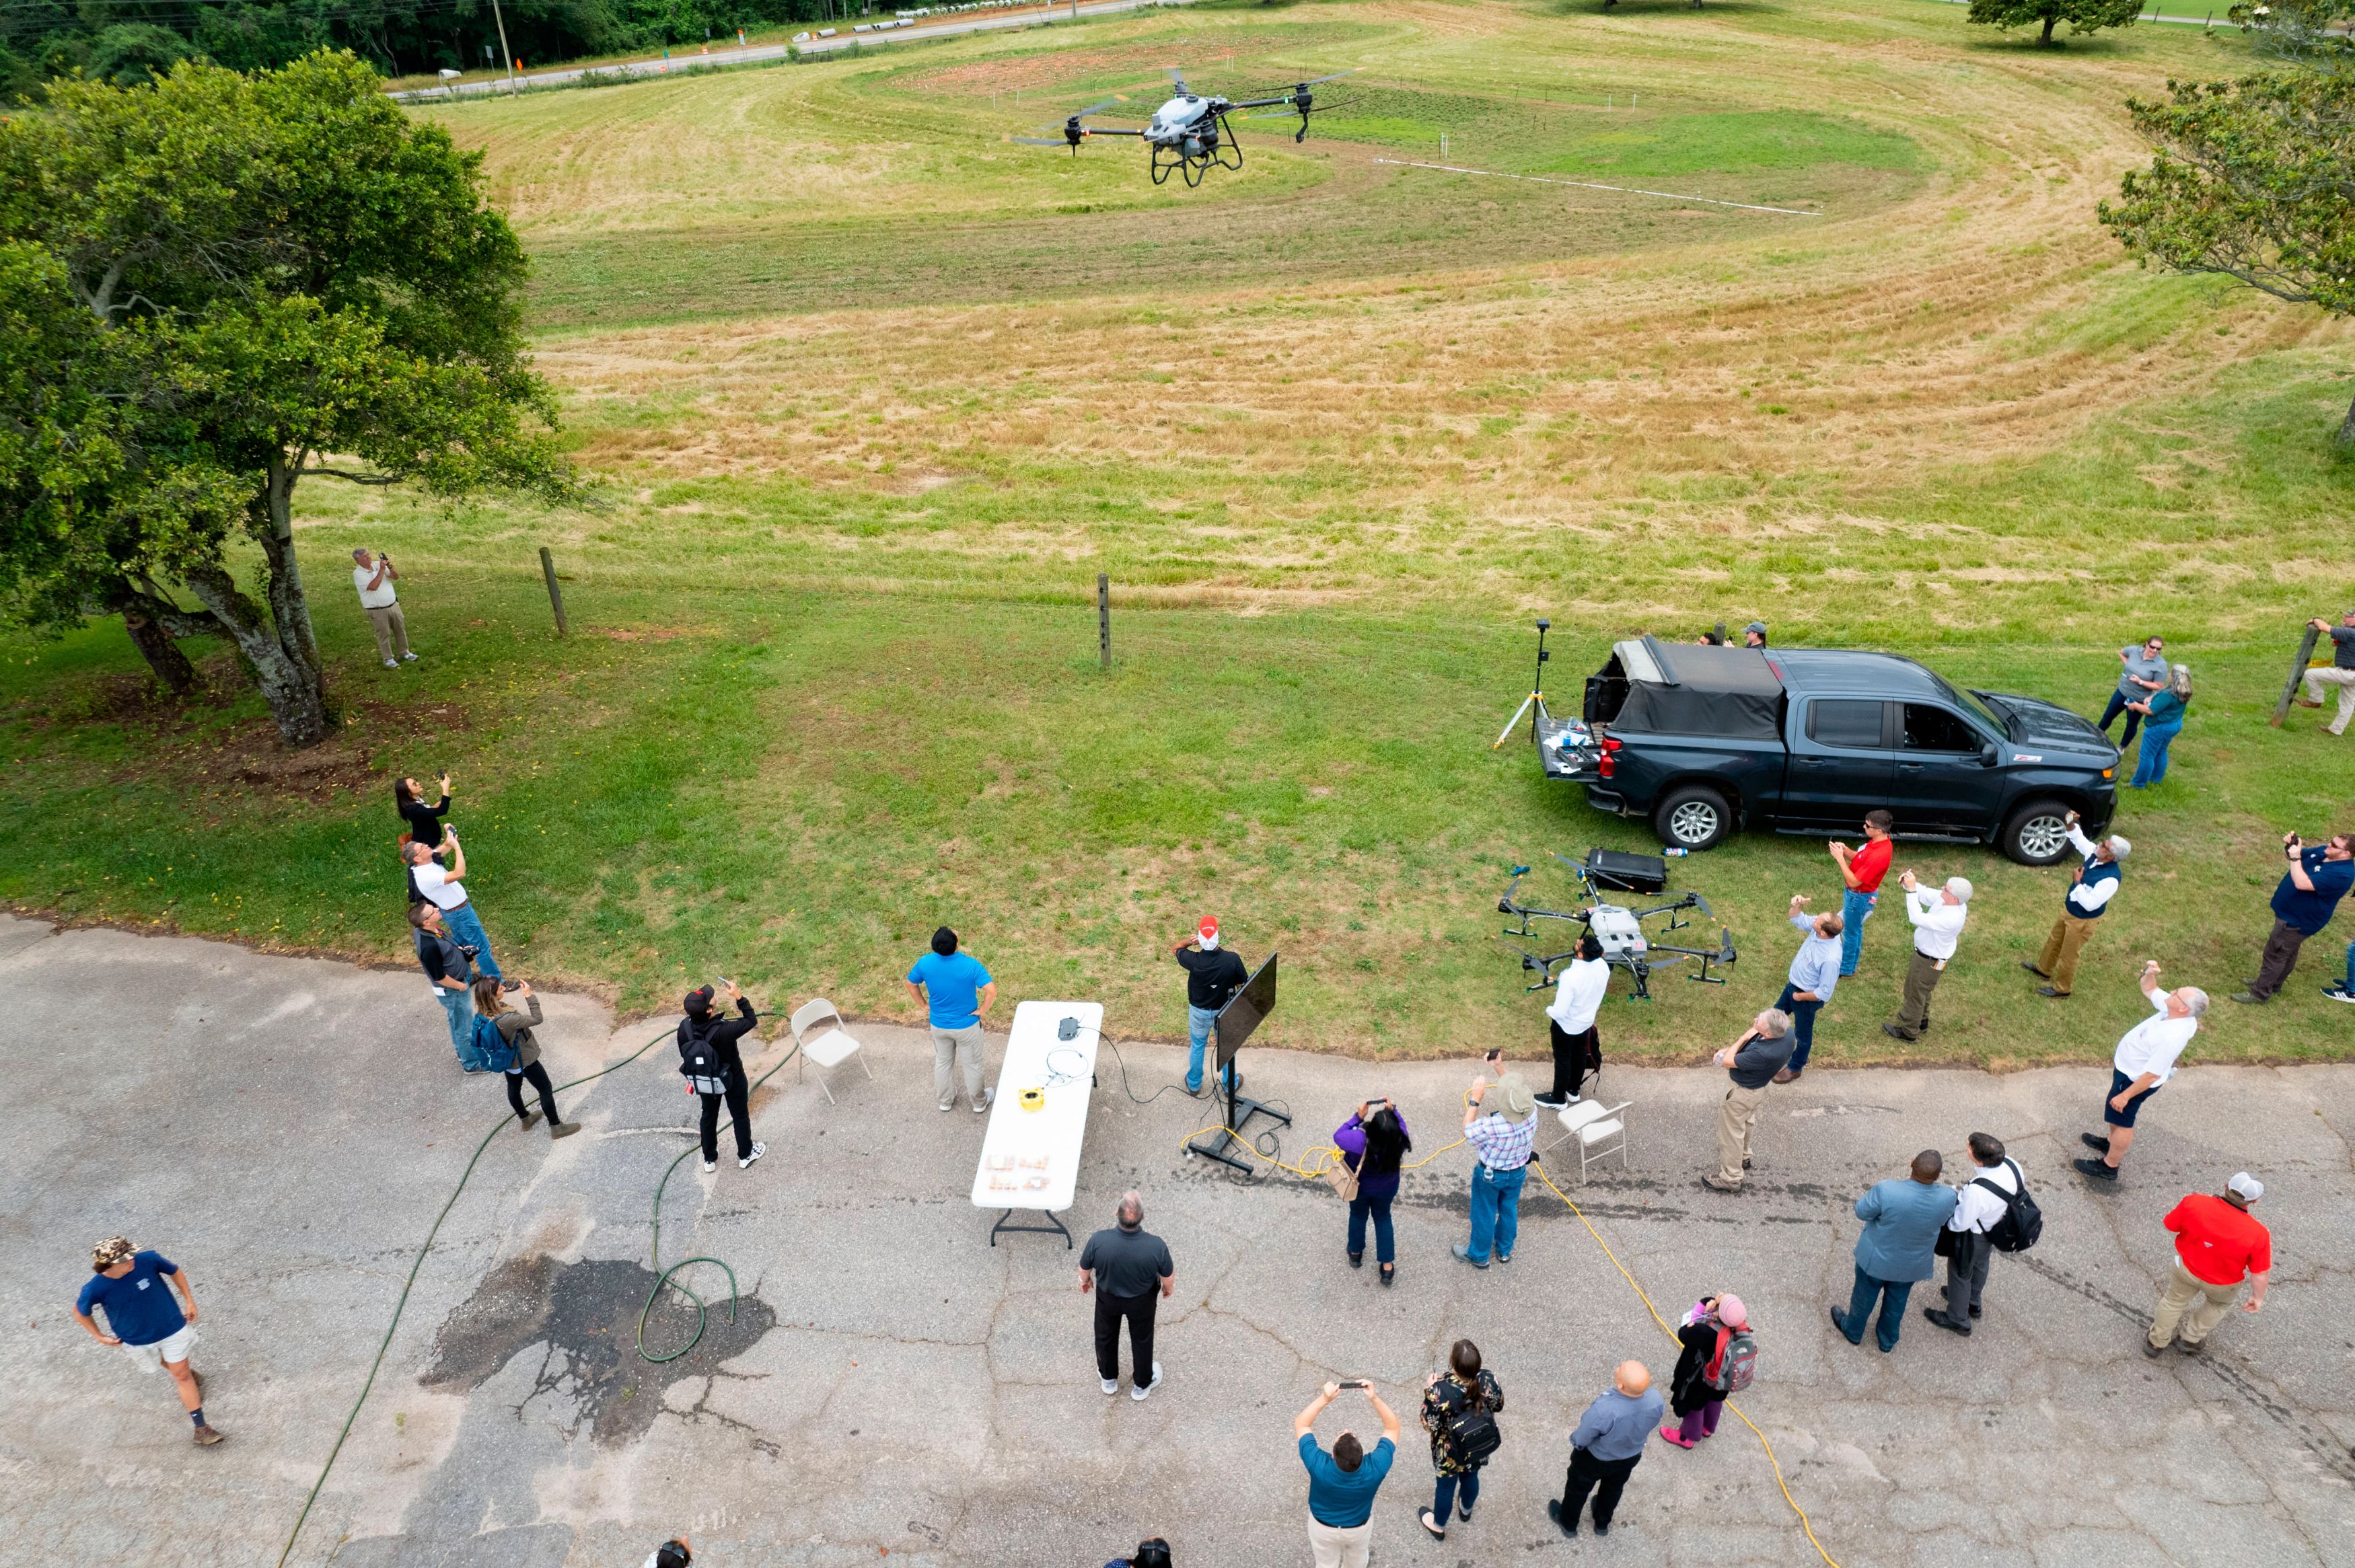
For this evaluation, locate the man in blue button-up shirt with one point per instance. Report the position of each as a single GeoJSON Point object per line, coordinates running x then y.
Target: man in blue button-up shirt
{"type": "Point", "coordinates": [1899, 1246]}
{"type": "Point", "coordinates": [1604, 1450]}
{"type": "Point", "coordinates": [1815, 970]}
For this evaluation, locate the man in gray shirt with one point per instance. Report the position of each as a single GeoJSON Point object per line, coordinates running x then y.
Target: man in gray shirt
{"type": "Point", "coordinates": [1604, 1450]}
{"type": "Point", "coordinates": [1750, 1063]}
{"type": "Point", "coordinates": [2144, 671]}
{"type": "Point", "coordinates": [1123, 1266]}
{"type": "Point", "coordinates": [2339, 672]}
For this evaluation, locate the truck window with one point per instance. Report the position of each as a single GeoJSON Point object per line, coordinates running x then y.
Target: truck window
{"type": "Point", "coordinates": [1932, 728]}
{"type": "Point", "coordinates": [1835, 721]}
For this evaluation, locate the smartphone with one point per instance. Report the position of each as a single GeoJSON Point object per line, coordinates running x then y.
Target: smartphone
{"type": "Point", "coordinates": [1356, 1382]}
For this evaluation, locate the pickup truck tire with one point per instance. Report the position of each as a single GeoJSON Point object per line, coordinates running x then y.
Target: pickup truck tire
{"type": "Point", "coordinates": [1693, 816]}
{"type": "Point", "coordinates": [2036, 833]}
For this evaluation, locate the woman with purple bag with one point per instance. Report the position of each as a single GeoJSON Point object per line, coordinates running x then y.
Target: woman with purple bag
{"type": "Point", "coordinates": [1373, 1143]}
{"type": "Point", "coordinates": [1718, 1353]}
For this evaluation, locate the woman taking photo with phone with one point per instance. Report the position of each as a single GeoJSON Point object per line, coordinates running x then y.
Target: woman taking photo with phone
{"type": "Point", "coordinates": [1373, 1144]}
{"type": "Point", "coordinates": [515, 1032]}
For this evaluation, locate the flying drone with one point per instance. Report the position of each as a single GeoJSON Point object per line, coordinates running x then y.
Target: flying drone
{"type": "Point", "coordinates": [1190, 133]}
{"type": "Point", "coordinates": [1620, 930]}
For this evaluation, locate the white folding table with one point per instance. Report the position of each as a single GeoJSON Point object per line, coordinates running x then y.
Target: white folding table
{"type": "Point", "coordinates": [1030, 1159]}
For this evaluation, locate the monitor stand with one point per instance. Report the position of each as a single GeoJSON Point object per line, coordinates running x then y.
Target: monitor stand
{"type": "Point", "coordinates": [1216, 1143]}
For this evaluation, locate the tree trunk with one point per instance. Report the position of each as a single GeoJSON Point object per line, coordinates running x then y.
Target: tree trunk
{"type": "Point", "coordinates": [289, 684]}
{"type": "Point", "coordinates": [2347, 428]}
{"type": "Point", "coordinates": [172, 669]}
{"type": "Point", "coordinates": [2048, 29]}
{"type": "Point", "coordinates": [289, 608]}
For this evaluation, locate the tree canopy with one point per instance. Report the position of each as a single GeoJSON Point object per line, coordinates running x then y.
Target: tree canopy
{"type": "Point", "coordinates": [220, 284]}
{"type": "Point", "coordinates": [2253, 180]}
{"type": "Point", "coordinates": [2082, 16]}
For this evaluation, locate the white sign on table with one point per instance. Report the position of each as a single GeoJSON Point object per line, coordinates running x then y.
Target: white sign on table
{"type": "Point", "coordinates": [1030, 1157]}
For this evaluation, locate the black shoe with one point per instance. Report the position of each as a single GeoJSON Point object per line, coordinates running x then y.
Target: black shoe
{"type": "Point", "coordinates": [1950, 1324]}
{"type": "Point", "coordinates": [2098, 1169]}
{"type": "Point", "coordinates": [1842, 1326]}
{"type": "Point", "coordinates": [2055, 995]}
{"type": "Point", "coordinates": [1431, 1522]}
{"type": "Point", "coordinates": [1357, 1260]}
{"type": "Point", "coordinates": [2150, 1349]}
{"type": "Point", "coordinates": [2031, 969]}
{"type": "Point", "coordinates": [1551, 1101]}
{"type": "Point", "coordinates": [2094, 1140]}
{"type": "Point", "coordinates": [1896, 1033]}
{"type": "Point", "coordinates": [1978, 1312]}
{"type": "Point", "coordinates": [2250, 999]}
{"type": "Point", "coordinates": [1389, 1273]}
{"type": "Point", "coordinates": [1567, 1526]}
{"type": "Point", "coordinates": [2186, 1347]}
{"type": "Point", "coordinates": [1601, 1528]}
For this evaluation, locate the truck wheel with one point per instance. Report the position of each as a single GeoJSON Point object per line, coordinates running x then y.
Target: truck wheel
{"type": "Point", "coordinates": [1695, 817]}
{"type": "Point", "coordinates": [2037, 834]}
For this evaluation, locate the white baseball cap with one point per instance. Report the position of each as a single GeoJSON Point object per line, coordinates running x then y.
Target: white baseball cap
{"type": "Point", "coordinates": [1960, 886]}
{"type": "Point", "coordinates": [2245, 1187]}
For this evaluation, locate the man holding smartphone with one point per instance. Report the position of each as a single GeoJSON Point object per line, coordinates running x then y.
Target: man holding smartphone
{"type": "Point", "coordinates": [374, 577]}
{"type": "Point", "coordinates": [1342, 1484]}
{"type": "Point", "coordinates": [1503, 1136]}
{"type": "Point", "coordinates": [2319, 877]}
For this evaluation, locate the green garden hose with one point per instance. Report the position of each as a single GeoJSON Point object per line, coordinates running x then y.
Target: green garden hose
{"type": "Point", "coordinates": [418, 1262]}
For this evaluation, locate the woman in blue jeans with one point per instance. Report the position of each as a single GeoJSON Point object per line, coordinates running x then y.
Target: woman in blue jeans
{"type": "Point", "coordinates": [1373, 1143]}
{"type": "Point", "coordinates": [1463, 1387]}
{"type": "Point", "coordinates": [2162, 714]}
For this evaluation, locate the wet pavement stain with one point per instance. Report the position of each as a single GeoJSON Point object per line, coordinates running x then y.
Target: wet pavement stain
{"type": "Point", "coordinates": [582, 1320]}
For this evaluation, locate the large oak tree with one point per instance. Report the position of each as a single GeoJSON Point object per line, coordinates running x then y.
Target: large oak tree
{"type": "Point", "coordinates": [213, 286]}
{"type": "Point", "coordinates": [2253, 180]}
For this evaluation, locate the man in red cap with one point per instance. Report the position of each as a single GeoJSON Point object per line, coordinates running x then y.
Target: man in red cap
{"type": "Point", "coordinates": [1212, 975]}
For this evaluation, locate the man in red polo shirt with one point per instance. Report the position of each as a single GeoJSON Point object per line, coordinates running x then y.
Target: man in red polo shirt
{"type": "Point", "coordinates": [1861, 869]}
{"type": "Point", "coordinates": [2218, 1243]}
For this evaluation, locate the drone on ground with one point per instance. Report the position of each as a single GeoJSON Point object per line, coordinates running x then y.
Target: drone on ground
{"type": "Point", "coordinates": [1620, 930]}
{"type": "Point", "coordinates": [1190, 133]}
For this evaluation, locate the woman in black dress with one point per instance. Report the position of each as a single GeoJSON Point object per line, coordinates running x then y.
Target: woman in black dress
{"type": "Point", "coordinates": [424, 822]}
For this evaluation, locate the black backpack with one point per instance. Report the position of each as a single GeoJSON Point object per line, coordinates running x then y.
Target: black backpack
{"type": "Point", "coordinates": [699, 1059]}
{"type": "Point", "coordinates": [2022, 1222]}
{"type": "Point", "coordinates": [1473, 1433]}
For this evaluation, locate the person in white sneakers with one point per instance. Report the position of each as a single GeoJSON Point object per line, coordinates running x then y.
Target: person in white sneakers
{"type": "Point", "coordinates": [1124, 1265]}
{"type": "Point", "coordinates": [374, 577]}
{"type": "Point", "coordinates": [710, 1061]}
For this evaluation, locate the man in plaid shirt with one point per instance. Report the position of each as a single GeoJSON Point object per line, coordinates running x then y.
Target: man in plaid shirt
{"type": "Point", "coordinates": [1502, 1138]}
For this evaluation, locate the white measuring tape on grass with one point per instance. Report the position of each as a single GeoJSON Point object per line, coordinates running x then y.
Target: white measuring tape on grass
{"type": "Point", "coordinates": [1591, 185]}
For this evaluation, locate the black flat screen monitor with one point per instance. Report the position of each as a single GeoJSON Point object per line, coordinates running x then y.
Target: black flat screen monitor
{"type": "Point", "coordinates": [1245, 1009]}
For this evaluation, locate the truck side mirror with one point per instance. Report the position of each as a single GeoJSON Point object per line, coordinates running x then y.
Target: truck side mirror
{"type": "Point", "coordinates": [1988, 755]}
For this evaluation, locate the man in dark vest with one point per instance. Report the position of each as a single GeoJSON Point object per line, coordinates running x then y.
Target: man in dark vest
{"type": "Point", "coordinates": [2094, 884]}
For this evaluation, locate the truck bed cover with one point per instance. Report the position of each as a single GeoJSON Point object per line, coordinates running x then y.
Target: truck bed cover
{"type": "Point", "coordinates": [1692, 688]}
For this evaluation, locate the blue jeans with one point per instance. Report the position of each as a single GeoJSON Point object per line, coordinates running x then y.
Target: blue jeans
{"type": "Point", "coordinates": [468, 931]}
{"type": "Point", "coordinates": [1385, 1241]}
{"type": "Point", "coordinates": [1802, 1024]}
{"type": "Point", "coordinates": [1495, 1211]}
{"type": "Point", "coordinates": [1199, 1021]}
{"type": "Point", "coordinates": [459, 1005]}
{"type": "Point", "coordinates": [2347, 981]}
{"type": "Point", "coordinates": [1893, 1293]}
{"type": "Point", "coordinates": [2152, 765]}
{"type": "Point", "coordinates": [1856, 908]}
{"type": "Point", "coordinates": [1442, 1498]}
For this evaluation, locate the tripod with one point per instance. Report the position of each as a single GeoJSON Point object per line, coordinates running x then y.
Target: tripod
{"type": "Point", "coordinates": [1537, 695]}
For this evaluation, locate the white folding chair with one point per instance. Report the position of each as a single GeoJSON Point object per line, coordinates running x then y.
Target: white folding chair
{"type": "Point", "coordinates": [1592, 1125]}
{"type": "Point", "coordinates": [827, 1046]}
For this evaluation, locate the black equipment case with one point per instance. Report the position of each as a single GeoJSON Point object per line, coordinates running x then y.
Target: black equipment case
{"type": "Point", "coordinates": [1626, 872]}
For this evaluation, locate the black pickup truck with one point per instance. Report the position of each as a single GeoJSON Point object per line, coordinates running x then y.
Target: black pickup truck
{"type": "Point", "coordinates": [1704, 740]}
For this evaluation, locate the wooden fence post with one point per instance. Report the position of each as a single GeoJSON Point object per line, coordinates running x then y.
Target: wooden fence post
{"type": "Point", "coordinates": [1104, 618]}
{"type": "Point", "coordinates": [555, 593]}
{"type": "Point", "coordinates": [2296, 673]}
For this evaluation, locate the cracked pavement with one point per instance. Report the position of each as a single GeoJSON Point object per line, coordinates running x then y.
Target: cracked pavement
{"type": "Point", "coordinates": [287, 1129]}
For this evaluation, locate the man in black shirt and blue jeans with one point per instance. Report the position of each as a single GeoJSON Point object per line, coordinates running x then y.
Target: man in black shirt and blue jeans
{"type": "Point", "coordinates": [1212, 975]}
{"type": "Point", "coordinates": [1123, 1268]}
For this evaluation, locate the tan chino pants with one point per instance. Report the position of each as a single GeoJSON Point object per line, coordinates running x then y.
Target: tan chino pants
{"type": "Point", "coordinates": [391, 632]}
{"type": "Point", "coordinates": [2183, 1288]}
{"type": "Point", "coordinates": [2061, 949]}
{"type": "Point", "coordinates": [1733, 1123]}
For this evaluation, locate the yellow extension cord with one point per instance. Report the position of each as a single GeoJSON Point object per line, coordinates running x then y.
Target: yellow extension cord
{"type": "Point", "coordinates": [1325, 1166]}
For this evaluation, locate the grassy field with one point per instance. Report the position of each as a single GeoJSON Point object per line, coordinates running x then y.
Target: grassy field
{"type": "Point", "coordinates": [876, 395]}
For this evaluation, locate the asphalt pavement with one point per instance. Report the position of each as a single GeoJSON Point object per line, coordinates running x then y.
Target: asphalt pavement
{"type": "Point", "coordinates": [892, 1385]}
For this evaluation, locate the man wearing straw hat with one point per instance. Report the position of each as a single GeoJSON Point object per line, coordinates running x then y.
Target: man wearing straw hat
{"type": "Point", "coordinates": [1502, 1135]}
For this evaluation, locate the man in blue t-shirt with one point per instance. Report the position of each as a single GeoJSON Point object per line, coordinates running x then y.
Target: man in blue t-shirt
{"type": "Point", "coordinates": [956, 993]}
{"type": "Point", "coordinates": [1342, 1484]}
{"type": "Point", "coordinates": [2319, 877]}
{"type": "Point", "coordinates": [142, 1316]}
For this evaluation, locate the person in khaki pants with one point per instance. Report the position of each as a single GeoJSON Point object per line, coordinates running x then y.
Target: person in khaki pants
{"type": "Point", "coordinates": [2091, 887]}
{"type": "Point", "coordinates": [1938, 914]}
{"type": "Point", "coordinates": [1750, 1063]}
{"type": "Point", "coordinates": [374, 577]}
{"type": "Point", "coordinates": [2217, 1244]}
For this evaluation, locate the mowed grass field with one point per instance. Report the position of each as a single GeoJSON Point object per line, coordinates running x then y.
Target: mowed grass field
{"type": "Point", "coordinates": [875, 394]}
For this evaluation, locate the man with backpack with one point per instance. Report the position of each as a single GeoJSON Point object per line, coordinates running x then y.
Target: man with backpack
{"type": "Point", "coordinates": [1993, 1213]}
{"type": "Point", "coordinates": [708, 1061]}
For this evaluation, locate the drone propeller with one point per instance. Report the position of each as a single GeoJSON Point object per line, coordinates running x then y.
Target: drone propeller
{"type": "Point", "coordinates": [1289, 113]}
{"type": "Point", "coordinates": [1038, 141]}
{"type": "Point", "coordinates": [1176, 79]}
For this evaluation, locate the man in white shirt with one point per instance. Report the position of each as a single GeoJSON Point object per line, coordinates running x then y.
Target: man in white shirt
{"type": "Point", "coordinates": [1979, 1202]}
{"type": "Point", "coordinates": [374, 577]}
{"type": "Point", "coordinates": [2144, 1060]}
{"type": "Point", "coordinates": [1937, 913]}
{"type": "Point", "coordinates": [1577, 998]}
{"type": "Point", "coordinates": [443, 889]}
{"type": "Point", "coordinates": [2094, 883]}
